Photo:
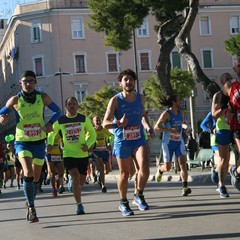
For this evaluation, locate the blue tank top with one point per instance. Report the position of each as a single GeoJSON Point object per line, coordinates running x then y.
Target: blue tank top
{"type": "Point", "coordinates": [133, 111]}
{"type": "Point", "coordinates": [175, 122]}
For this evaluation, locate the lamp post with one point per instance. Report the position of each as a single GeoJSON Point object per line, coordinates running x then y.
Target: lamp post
{"type": "Point", "coordinates": [60, 73]}
{"type": "Point", "coordinates": [192, 111]}
{"type": "Point", "coordinates": [135, 57]}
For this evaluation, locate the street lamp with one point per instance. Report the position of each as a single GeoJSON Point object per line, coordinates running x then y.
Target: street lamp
{"type": "Point", "coordinates": [60, 73]}
{"type": "Point", "coordinates": [135, 58]}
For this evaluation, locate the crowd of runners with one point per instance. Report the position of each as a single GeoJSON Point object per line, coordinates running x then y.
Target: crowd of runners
{"type": "Point", "coordinates": [73, 149]}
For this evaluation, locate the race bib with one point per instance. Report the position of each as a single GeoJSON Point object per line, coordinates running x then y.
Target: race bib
{"type": "Point", "coordinates": [72, 132]}
{"type": "Point", "coordinates": [56, 158]}
{"type": "Point", "coordinates": [131, 132]}
{"type": "Point", "coordinates": [175, 136]}
{"type": "Point", "coordinates": [32, 130]}
{"type": "Point", "coordinates": [101, 148]}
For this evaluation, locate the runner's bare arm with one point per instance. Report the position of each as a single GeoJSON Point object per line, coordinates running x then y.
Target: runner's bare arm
{"type": "Point", "coordinates": [111, 109]}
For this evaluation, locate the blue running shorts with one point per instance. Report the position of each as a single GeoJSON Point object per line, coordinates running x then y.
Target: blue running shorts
{"type": "Point", "coordinates": [126, 148]}
{"type": "Point", "coordinates": [36, 150]}
{"type": "Point", "coordinates": [170, 148]}
{"type": "Point", "coordinates": [102, 154]}
{"type": "Point", "coordinates": [223, 137]}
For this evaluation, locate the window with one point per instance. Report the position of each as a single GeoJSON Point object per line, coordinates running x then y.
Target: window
{"type": "Point", "coordinates": [205, 27]}
{"type": "Point", "coordinates": [144, 59]}
{"type": "Point", "coordinates": [2, 23]}
{"type": "Point", "coordinates": [143, 31]}
{"type": "Point", "coordinates": [235, 24]}
{"type": "Point", "coordinates": [77, 28]}
{"type": "Point", "coordinates": [207, 58]}
{"type": "Point", "coordinates": [205, 96]}
{"type": "Point", "coordinates": [80, 63]}
{"type": "Point", "coordinates": [36, 34]}
{"type": "Point", "coordinates": [112, 62]}
{"type": "Point", "coordinates": [38, 66]}
{"type": "Point", "coordinates": [176, 60]}
{"type": "Point", "coordinates": [112, 83]}
{"type": "Point", "coordinates": [80, 92]}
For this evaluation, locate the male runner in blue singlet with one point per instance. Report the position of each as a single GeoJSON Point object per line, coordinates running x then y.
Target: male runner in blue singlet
{"type": "Point", "coordinates": [130, 119]}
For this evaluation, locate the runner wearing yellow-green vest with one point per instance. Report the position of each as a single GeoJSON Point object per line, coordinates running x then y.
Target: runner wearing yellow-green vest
{"type": "Point", "coordinates": [30, 133]}
{"type": "Point", "coordinates": [223, 137]}
{"type": "Point", "coordinates": [9, 170]}
{"type": "Point", "coordinates": [78, 136]}
{"type": "Point", "coordinates": [55, 165]}
{"type": "Point", "coordinates": [101, 149]}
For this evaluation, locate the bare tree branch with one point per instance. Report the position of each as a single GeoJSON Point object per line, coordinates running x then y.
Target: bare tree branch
{"type": "Point", "coordinates": [185, 51]}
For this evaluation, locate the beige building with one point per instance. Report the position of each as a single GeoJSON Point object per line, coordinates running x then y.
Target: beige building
{"type": "Point", "coordinates": [52, 38]}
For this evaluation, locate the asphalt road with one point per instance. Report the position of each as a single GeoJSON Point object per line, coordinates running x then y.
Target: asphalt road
{"type": "Point", "coordinates": [202, 215]}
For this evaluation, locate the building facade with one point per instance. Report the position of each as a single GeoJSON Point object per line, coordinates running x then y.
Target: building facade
{"type": "Point", "coordinates": [52, 38]}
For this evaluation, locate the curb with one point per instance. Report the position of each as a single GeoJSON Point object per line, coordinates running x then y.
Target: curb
{"type": "Point", "coordinates": [205, 177]}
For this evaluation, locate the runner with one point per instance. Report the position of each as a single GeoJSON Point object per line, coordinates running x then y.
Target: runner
{"type": "Point", "coordinates": [101, 151]}
{"type": "Point", "coordinates": [170, 123]}
{"type": "Point", "coordinates": [1, 165]}
{"type": "Point", "coordinates": [232, 89]}
{"type": "Point", "coordinates": [9, 171]}
{"type": "Point", "coordinates": [223, 139]}
{"type": "Point", "coordinates": [127, 110]}
{"type": "Point", "coordinates": [55, 165]}
{"type": "Point", "coordinates": [30, 133]}
{"type": "Point", "coordinates": [78, 135]}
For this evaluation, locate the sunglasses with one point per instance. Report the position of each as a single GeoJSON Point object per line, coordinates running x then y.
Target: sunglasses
{"type": "Point", "coordinates": [30, 81]}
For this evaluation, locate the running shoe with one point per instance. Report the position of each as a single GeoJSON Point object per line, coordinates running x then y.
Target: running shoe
{"type": "Point", "coordinates": [125, 209]}
{"type": "Point", "coordinates": [11, 185]}
{"type": "Point", "coordinates": [80, 209]}
{"type": "Point", "coordinates": [235, 177]}
{"type": "Point", "coordinates": [214, 176]}
{"type": "Point", "coordinates": [54, 193]}
{"type": "Point", "coordinates": [140, 202]}
{"type": "Point", "coordinates": [4, 186]}
{"type": "Point", "coordinates": [61, 189]}
{"type": "Point", "coordinates": [18, 187]}
{"type": "Point", "coordinates": [186, 191]}
{"type": "Point", "coordinates": [158, 176]}
{"type": "Point", "coordinates": [223, 192]}
{"type": "Point", "coordinates": [32, 215]}
{"type": "Point", "coordinates": [104, 189]}
{"type": "Point", "coordinates": [70, 182]}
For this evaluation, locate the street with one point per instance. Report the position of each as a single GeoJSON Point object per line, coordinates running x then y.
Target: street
{"type": "Point", "coordinates": [202, 215]}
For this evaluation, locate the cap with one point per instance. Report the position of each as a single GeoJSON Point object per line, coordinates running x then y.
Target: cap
{"type": "Point", "coordinates": [28, 73]}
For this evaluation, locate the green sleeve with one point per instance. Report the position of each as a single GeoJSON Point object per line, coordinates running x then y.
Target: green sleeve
{"type": "Point", "coordinates": [52, 135]}
{"type": "Point", "coordinates": [110, 138]}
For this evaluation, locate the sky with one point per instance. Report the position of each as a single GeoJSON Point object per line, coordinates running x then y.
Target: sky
{"type": "Point", "coordinates": [7, 7]}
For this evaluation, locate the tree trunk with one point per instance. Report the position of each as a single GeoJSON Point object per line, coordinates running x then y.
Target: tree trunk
{"type": "Point", "coordinates": [185, 51]}
{"type": "Point", "coordinates": [163, 66]}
